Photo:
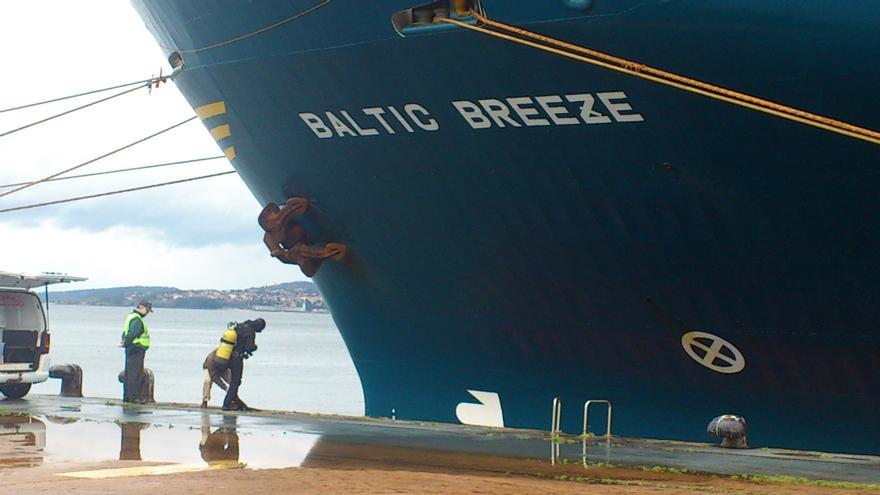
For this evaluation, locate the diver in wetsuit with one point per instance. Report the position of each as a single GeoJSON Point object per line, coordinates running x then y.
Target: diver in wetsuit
{"type": "Point", "coordinates": [216, 364]}
{"type": "Point", "coordinates": [245, 346]}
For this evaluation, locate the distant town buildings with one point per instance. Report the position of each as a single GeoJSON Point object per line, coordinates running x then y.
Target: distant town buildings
{"type": "Point", "coordinates": [294, 296]}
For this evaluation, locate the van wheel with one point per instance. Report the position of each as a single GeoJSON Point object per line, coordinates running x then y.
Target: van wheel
{"type": "Point", "coordinates": [15, 390]}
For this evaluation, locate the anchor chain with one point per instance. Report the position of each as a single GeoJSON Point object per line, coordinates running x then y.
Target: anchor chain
{"type": "Point", "coordinates": [288, 240]}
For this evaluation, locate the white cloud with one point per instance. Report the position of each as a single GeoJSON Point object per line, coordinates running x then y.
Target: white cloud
{"type": "Point", "coordinates": [196, 235]}
{"type": "Point", "coordinates": [124, 255]}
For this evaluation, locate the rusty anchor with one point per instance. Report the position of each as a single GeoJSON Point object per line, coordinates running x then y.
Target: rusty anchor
{"type": "Point", "coordinates": [309, 258]}
{"type": "Point", "coordinates": [288, 241]}
{"type": "Point", "coordinates": [281, 230]}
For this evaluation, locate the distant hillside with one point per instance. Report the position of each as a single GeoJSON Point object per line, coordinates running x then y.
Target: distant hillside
{"type": "Point", "coordinates": [114, 296]}
{"type": "Point", "coordinates": [286, 296]}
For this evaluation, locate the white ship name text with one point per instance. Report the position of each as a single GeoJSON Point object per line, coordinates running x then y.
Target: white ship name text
{"type": "Point", "coordinates": [521, 111]}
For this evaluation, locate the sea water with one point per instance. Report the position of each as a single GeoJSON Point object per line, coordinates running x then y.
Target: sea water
{"type": "Point", "coordinates": [301, 363]}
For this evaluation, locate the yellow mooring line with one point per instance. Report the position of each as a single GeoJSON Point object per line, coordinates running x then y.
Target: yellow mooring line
{"type": "Point", "coordinates": [576, 52]}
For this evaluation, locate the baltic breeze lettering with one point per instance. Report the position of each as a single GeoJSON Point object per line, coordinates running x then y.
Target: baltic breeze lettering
{"type": "Point", "coordinates": [522, 111]}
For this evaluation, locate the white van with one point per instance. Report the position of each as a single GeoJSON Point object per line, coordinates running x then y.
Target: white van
{"type": "Point", "coordinates": [24, 333]}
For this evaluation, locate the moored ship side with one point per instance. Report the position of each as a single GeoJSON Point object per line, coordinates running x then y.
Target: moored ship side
{"type": "Point", "coordinates": [522, 225]}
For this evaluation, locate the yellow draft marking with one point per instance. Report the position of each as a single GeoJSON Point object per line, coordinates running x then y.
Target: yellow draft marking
{"type": "Point", "coordinates": [220, 132]}
{"type": "Point", "coordinates": [230, 153]}
{"type": "Point", "coordinates": [150, 470]}
{"type": "Point", "coordinates": [211, 109]}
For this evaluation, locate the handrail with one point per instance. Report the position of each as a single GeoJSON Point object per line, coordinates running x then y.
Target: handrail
{"type": "Point", "coordinates": [587, 411]}
{"type": "Point", "coordinates": [556, 417]}
{"type": "Point", "coordinates": [555, 429]}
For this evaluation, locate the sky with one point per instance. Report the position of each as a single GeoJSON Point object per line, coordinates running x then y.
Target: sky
{"type": "Point", "coordinates": [202, 234]}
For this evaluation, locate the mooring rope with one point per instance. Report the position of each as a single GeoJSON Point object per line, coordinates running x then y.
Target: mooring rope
{"type": "Point", "coordinates": [93, 160]}
{"type": "Point", "coordinates": [583, 54]}
{"type": "Point", "coordinates": [143, 82]}
{"type": "Point", "coordinates": [121, 170]}
{"type": "Point", "coordinates": [110, 193]}
{"type": "Point", "coordinates": [256, 32]}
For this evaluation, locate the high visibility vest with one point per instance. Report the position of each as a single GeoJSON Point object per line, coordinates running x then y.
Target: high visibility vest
{"type": "Point", "coordinates": [143, 339]}
{"type": "Point", "coordinates": [227, 342]}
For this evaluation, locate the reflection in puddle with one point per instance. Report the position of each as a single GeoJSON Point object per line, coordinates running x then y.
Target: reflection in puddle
{"type": "Point", "coordinates": [22, 439]}
{"type": "Point", "coordinates": [26, 442]}
{"type": "Point", "coordinates": [130, 441]}
{"type": "Point", "coordinates": [220, 447]}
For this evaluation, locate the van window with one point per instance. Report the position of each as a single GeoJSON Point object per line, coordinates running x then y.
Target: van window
{"type": "Point", "coordinates": [20, 311]}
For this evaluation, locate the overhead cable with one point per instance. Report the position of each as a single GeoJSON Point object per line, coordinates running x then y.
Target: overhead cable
{"type": "Point", "coordinates": [120, 170]}
{"type": "Point", "coordinates": [117, 150]}
{"type": "Point", "coordinates": [68, 97]}
{"type": "Point", "coordinates": [120, 191]}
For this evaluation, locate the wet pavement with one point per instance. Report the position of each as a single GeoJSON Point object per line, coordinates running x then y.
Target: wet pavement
{"type": "Point", "coordinates": [48, 430]}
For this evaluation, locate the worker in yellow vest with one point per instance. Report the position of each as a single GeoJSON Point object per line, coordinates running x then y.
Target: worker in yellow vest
{"type": "Point", "coordinates": [136, 341]}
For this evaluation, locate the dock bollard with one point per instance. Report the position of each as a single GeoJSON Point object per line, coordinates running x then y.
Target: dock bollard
{"type": "Point", "coordinates": [148, 385]}
{"type": "Point", "coordinates": [71, 379]}
{"type": "Point", "coordinates": [732, 429]}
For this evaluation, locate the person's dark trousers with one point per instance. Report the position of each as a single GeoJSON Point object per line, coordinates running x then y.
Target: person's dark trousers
{"type": "Point", "coordinates": [134, 373]}
{"type": "Point", "coordinates": [236, 368]}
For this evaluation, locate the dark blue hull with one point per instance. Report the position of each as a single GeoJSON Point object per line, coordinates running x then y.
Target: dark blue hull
{"type": "Point", "coordinates": [575, 259]}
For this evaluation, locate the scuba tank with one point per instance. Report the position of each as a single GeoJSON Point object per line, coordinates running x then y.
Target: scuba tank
{"type": "Point", "coordinates": [227, 342]}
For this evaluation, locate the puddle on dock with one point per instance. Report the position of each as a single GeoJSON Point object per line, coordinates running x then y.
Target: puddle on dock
{"type": "Point", "coordinates": [30, 441]}
{"type": "Point", "coordinates": [97, 433]}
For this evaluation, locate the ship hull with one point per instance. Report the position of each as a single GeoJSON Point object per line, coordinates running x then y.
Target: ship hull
{"type": "Point", "coordinates": [574, 260]}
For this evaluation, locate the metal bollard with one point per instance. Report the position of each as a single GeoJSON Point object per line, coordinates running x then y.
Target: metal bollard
{"type": "Point", "coordinates": [148, 385]}
{"type": "Point", "coordinates": [732, 429]}
{"type": "Point", "coordinates": [71, 379]}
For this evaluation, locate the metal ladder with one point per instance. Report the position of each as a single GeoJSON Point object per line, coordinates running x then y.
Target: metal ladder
{"type": "Point", "coordinates": [556, 416]}
{"type": "Point", "coordinates": [556, 426]}
{"type": "Point", "coordinates": [587, 414]}
{"type": "Point", "coordinates": [586, 431]}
